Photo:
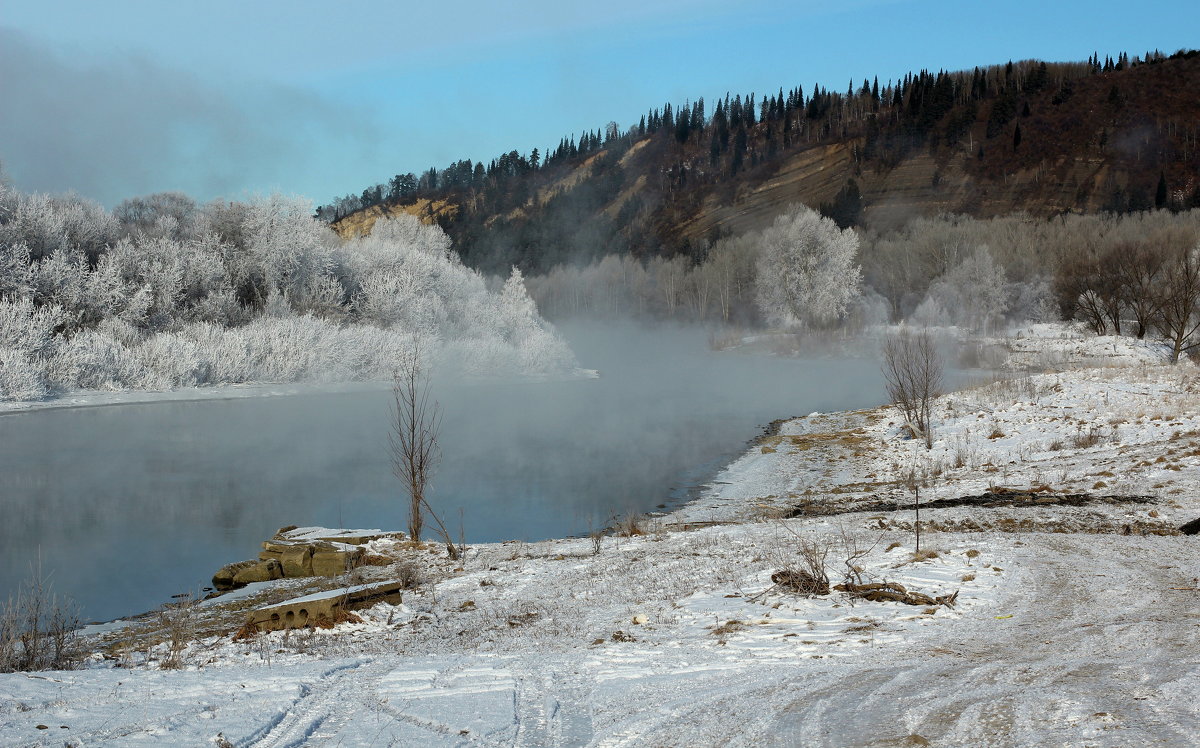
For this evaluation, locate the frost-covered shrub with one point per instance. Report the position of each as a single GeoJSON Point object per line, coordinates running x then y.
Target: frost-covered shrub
{"type": "Point", "coordinates": [1032, 301]}
{"type": "Point", "coordinates": [180, 296]}
{"type": "Point", "coordinates": [49, 223]}
{"type": "Point", "coordinates": [20, 379]}
{"type": "Point", "coordinates": [95, 360]}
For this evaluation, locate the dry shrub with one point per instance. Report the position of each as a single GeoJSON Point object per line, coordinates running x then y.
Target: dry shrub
{"type": "Point", "coordinates": [178, 621]}
{"type": "Point", "coordinates": [629, 526]}
{"type": "Point", "coordinates": [339, 616]}
{"type": "Point", "coordinates": [1085, 439]}
{"type": "Point", "coordinates": [38, 630]}
{"type": "Point", "coordinates": [409, 574]}
{"type": "Point", "coordinates": [801, 582]}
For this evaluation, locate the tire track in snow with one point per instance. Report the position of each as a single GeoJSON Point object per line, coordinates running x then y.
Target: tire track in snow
{"type": "Point", "coordinates": [324, 707]}
{"type": "Point", "coordinates": [1094, 653]}
{"type": "Point", "coordinates": [550, 707]}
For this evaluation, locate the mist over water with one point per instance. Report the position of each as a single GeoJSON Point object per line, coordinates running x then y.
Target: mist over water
{"type": "Point", "coordinates": [127, 505]}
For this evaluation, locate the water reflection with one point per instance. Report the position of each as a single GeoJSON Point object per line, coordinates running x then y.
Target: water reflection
{"type": "Point", "coordinates": [130, 504]}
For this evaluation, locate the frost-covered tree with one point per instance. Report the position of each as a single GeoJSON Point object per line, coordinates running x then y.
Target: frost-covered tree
{"type": "Point", "coordinates": [290, 249]}
{"type": "Point", "coordinates": [175, 295]}
{"type": "Point", "coordinates": [807, 272]}
{"type": "Point", "coordinates": [974, 294]}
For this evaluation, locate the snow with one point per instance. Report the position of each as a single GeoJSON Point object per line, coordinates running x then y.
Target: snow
{"type": "Point", "coordinates": [1066, 631]}
{"type": "Point", "coordinates": [93, 398]}
{"type": "Point", "coordinates": [339, 592]}
{"type": "Point", "coordinates": [304, 534]}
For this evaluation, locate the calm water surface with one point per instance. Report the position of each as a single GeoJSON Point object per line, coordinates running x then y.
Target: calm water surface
{"type": "Point", "coordinates": [127, 505]}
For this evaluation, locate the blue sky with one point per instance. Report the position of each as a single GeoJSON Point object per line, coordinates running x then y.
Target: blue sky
{"type": "Point", "coordinates": [227, 98]}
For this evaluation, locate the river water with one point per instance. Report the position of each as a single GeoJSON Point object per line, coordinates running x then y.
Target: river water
{"type": "Point", "coordinates": [126, 505]}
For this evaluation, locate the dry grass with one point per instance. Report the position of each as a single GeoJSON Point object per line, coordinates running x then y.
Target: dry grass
{"type": "Point", "coordinates": [38, 629]}
{"type": "Point", "coordinates": [629, 526]}
{"type": "Point", "coordinates": [727, 628]}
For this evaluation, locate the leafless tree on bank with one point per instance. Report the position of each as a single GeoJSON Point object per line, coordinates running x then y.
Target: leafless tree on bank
{"type": "Point", "coordinates": [912, 368]}
{"type": "Point", "coordinates": [414, 445]}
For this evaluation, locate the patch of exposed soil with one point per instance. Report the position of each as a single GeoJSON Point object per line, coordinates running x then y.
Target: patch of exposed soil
{"type": "Point", "coordinates": [992, 499]}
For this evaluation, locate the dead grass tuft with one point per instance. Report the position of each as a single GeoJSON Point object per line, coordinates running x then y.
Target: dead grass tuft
{"type": "Point", "coordinates": [924, 555]}
{"type": "Point", "coordinates": [339, 617]}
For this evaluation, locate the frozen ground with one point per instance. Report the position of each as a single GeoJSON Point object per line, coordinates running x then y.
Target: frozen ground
{"type": "Point", "coordinates": [1075, 624]}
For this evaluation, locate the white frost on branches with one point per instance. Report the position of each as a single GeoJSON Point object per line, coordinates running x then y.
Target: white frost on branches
{"type": "Point", "coordinates": [807, 272]}
{"type": "Point", "coordinates": [178, 295]}
{"type": "Point", "coordinates": [974, 295]}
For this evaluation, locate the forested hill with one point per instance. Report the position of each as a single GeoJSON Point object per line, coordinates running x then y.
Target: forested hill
{"type": "Point", "coordinates": [1119, 134]}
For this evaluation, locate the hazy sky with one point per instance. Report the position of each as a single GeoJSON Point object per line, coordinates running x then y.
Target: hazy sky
{"type": "Point", "coordinates": [225, 97]}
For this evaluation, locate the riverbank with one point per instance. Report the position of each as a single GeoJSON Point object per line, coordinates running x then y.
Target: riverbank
{"type": "Point", "coordinates": [1073, 621]}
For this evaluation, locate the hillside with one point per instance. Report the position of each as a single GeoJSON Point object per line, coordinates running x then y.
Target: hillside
{"type": "Point", "coordinates": [1042, 138]}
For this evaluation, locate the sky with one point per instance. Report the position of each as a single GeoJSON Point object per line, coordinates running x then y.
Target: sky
{"type": "Point", "coordinates": [229, 98]}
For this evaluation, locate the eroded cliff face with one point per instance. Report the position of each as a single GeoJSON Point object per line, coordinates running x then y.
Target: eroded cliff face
{"type": "Point", "coordinates": [361, 222]}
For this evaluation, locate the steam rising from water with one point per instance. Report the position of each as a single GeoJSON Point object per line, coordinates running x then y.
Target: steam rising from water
{"type": "Point", "coordinates": [132, 504]}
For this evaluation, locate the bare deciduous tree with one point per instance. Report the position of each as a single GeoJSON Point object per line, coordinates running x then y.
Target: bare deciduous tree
{"type": "Point", "coordinates": [912, 368]}
{"type": "Point", "coordinates": [414, 445]}
{"type": "Point", "coordinates": [1177, 317]}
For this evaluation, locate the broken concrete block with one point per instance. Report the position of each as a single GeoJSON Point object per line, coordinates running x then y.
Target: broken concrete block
{"type": "Point", "coordinates": [261, 571]}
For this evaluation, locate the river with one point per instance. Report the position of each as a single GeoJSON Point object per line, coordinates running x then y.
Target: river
{"type": "Point", "coordinates": [125, 505]}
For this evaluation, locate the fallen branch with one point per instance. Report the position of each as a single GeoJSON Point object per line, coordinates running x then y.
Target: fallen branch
{"type": "Point", "coordinates": [893, 592]}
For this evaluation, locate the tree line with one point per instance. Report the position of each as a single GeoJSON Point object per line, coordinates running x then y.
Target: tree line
{"type": "Point", "coordinates": [1118, 274]}
{"type": "Point", "coordinates": [704, 147]}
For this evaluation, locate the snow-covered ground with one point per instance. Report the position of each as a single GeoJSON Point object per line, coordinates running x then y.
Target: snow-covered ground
{"type": "Point", "coordinates": [1075, 623]}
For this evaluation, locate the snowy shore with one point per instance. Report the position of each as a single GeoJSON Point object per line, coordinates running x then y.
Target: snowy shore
{"type": "Point", "coordinates": [1074, 621]}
